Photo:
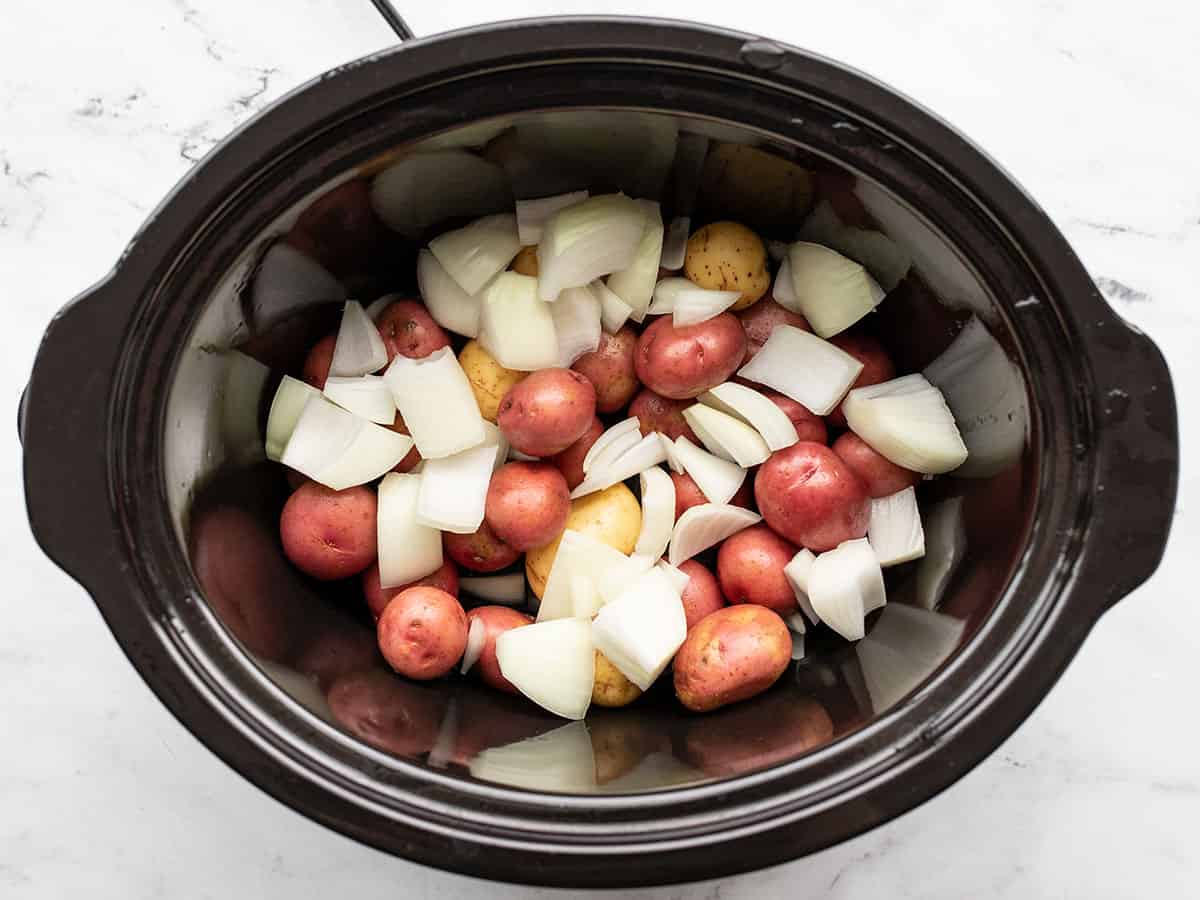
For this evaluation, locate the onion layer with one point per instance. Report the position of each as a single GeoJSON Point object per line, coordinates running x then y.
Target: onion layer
{"type": "Point", "coordinates": [907, 420]}
{"type": "Point", "coordinates": [477, 253]}
{"type": "Point", "coordinates": [448, 304]}
{"type": "Point", "coordinates": [831, 291]}
{"type": "Point", "coordinates": [706, 525]}
{"type": "Point", "coordinates": [586, 241]}
{"type": "Point", "coordinates": [811, 371]}
{"type": "Point", "coordinates": [516, 327]}
{"type": "Point", "coordinates": [408, 550]}
{"type": "Point", "coordinates": [340, 450]}
{"type": "Point", "coordinates": [551, 663]}
{"type": "Point", "coordinates": [437, 403]}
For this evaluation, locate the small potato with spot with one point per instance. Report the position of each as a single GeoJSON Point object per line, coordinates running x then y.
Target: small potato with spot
{"type": "Point", "coordinates": [750, 569]}
{"type": "Point", "coordinates": [422, 633]}
{"type": "Point", "coordinates": [527, 504]}
{"type": "Point", "coordinates": [611, 371]}
{"type": "Point", "coordinates": [329, 534]}
{"type": "Point", "coordinates": [611, 688]}
{"type": "Point", "coordinates": [496, 621]}
{"type": "Point", "coordinates": [728, 256]}
{"type": "Point", "coordinates": [408, 330]}
{"type": "Point", "coordinates": [684, 362]}
{"type": "Point", "coordinates": [547, 411]}
{"type": "Point", "coordinates": [489, 380]}
{"type": "Point", "coordinates": [480, 551]}
{"type": "Point", "coordinates": [731, 655]}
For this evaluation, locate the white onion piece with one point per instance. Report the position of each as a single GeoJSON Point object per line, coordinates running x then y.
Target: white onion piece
{"type": "Point", "coordinates": [585, 597]}
{"type": "Point", "coordinates": [831, 291]}
{"type": "Point", "coordinates": [476, 638]}
{"type": "Point", "coordinates": [614, 312]}
{"type": "Point", "coordinates": [635, 283]}
{"type": "Point", "coordinates": [290, 399]}
{"type": "Point", "coordinates": [424, 189]}
{"type": "Point", "coordinates": [610, 434]}
{"type": "Point", "coordinates": [667, 292]}
{"type": "Point", "coordinates": [375, 310]}
{"type": "Point", "coordinates": [578, 555]}
{"type": "Point", "coordinates": [678, 577]}
{"type": "Point", "coordinates": [755, 410]}
{"type": "Point", "coordinates": [613, 582]}
{"type": "Point", "coordinates": [674, 249]}
{"type": "Point", "coordinates": [515, 326]}
{"type": "Point", "coordinates": [894, 528]}
{"type": "Point", "coordinates": [811, 371]}
{"type": "Point", "coordinates": [241, 399]}
{"type": "Point", "coordinates": [286, 280]}
{"type": "Point", "coordinates": [879, 254]}
{"type": "Point", "coordinates": [359, 349]}
{"type": "Point", "coordinates": [533, 214]}
{"type": "Point", "coordinates": [576, 315]}
{"type": "Point", "coordinates": [612, 451]}
{"type": "Point", "coordinates": [408, 550]}
{"type": "Point", "coordinates": [945, 547]}
{"type": "Point", "coordinates": [560, 761]}
{"type": "Point", "coordinates": [658, 513]}
{"type": "Point", "coordinates": [718, 479]}
{"type": "Point", "coordinates": [796, 573]}
{"type": "Point", "coordinates": [637, 459]}
{"type": "Point", "coordinates": [437, 403]}
{"type": "Point", "coordinates": [551, 663]}
{"type": "Point", "coordinates": [706, 525]}
{"type": "Point", "coordinates": [726, 436]}
{"type": "Point", "coordinates": [844, 584]}
{"type": "Point", "coordinates": [783, 291]}
{"type": "Point", "coordinates": [797, 645]}
{"type": "Point", "coordinates": [493, 436]}
{"type": "Point", "coordinates": [508, 590]}
{"type": "Point", "coordinates": [699, 305]}
{"type": "Point", "coordinates": [673, 460]}
{"type": "Point", "coordinates": [588, 240]}
{"type": "Point", "coordinates": [906, 645]}
{"type": "Point", "coordinates": [449, 305]}
{"type": "Point", "coordinates": [365, 395]}
{"type": "Point", "coordinates": [640, 630]}
{"type": "Point", "coordinates": [340, 450]}
{"type": "Point", "coordinates": [514, 453]}
{"type": "Point", "coordinates": [477, 253]}
{"type": "Point", "coordinates": [454, 488]}
{"type": "Point", "coordinates": [795, 623]}
{"type": "Point", "coordinates": [907, 420]}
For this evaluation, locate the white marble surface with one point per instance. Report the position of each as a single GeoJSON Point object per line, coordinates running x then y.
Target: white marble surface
{"type": "Point", "coordinates": [1092, 105]}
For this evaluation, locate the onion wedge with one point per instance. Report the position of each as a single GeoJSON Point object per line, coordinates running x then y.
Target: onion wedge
{"type": "Point", "coordinates": [607, 438]}
{"type": "Point", "coordinates": [699, 305]}
{"type": "Point", "coordinates": [436, 401]}
{"type": "Point", "coordinates": [614, 312]}
{"type": "Point", "coordinates": [576, 315]}
{"type": "Point", "coordinates": [476, 638]}
{"type": "Point", "coordinates": [667, 292]}
{"type": "Point", "coordinates": [796, 573]}
{"type": "Point", "coordinates": [477, 253]}
{"type": "Point", "coordinates": [290, 399]}
{"type": "Point", "coordinates": [718, 479]}
{"type": "Point", "coordinates": [635, 284]}
{"type": "Point", "coordinates": [782, 292]}
{"type": "Point", "coordinates": [844, 584]}
{"type": "Point", "coordinates": [755, 410]}
{"type": "Point", "coordinates": [359, 349]}
{"type": "Point", "coordinates": [454, 489]}
{"type": "Point", "coordinates": [408, 550]}
{"type": "Point", "coordinates": [704, 526]}
{"type": "Point", "coordinates": [907, 420]}
{"type": "Point", "coordinates": [449, 305]}
{"type": "Point", "coordinates": [726, 436]}
{"type": "Point", "coordinates": [811, 371]}
{"type": "Point", "coordinates": [644, 454]}
{"type": "Point", "coordinates": [340, 450]}
{"type": "Point", "coordinates": [894, 529]}
{"type": "Point", "coordinates": [658, 513]}
{"type": "Point", "coordinates": [516, 327]}
{"type": "Point", "coordinates": [641, 629]}
{"type": "Point", "coordinates": [831, 291]}
{"type": "Point", "coordinates": [532, 215]}
{"type": "Point", "coordinates": [578, 555]}
{"type": "Point", "coordinates": [586, 241]}
{"type": "Point", "coordinates": [551, 663]}
{"type": "Point", "coordinates": [367, 396]}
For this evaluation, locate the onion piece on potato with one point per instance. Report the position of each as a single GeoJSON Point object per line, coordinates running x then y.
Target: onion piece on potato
{"type": "Point", "coordinates": [552, 663]}
{"type": "Point", "coordinates": [658, 513]}
{"type": "Point", "coordinates": [811, 371]}
{"type": "Point", "coordinates": [756, 410]}
{"type": "Point", "coordinates": [578, 555]}
{"type": "Point", "coordinates": [449, 305]}
{"type": "Point", "coordinates": [614, 312]}
{"type": "Point", "coordinates": [726, 436]}
{"type": "Point", "coordinates": [408, 550]}
{"type": "Point", "coordinates": [474, 254]}
{"type": "Point", "coordinates": [586, 241]}
{"type": "Point", "coordinates": [515, 326]}
{"type": "Point", "coordinates": [641, 629]}
{"type": "Point", "coordinates": [454, 489]}
{"type": "Point", "coordinates": [359, 349]}
{"type": "Point", "coordinates": [367, 396]}
{"type": "Point", "coordinates": [718, 479]}
{"type": "Point", "coordinates": [907, 421]}
{"type": "Point", "coordinates": [706, 525]}
{"type": "Point", "coordinates": [646, 453]}
{"type": "Point", "coordinates": [340, 450]}
{"type": "Point", "coordinates": [437, 403]}
{"type": "Point", "coordinates": [290, 399]}
{"type": "Point", "coordinates": [611, 435]}
{"type": "Point", "coordinates": [476, 638]}
{"type": "Point", "coordinates": [635, 283]}
{"type": "Point", "coordinates": [577, 324]}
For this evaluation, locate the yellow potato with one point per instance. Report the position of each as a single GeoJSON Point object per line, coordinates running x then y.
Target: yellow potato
{"type": "Point", "coordinates": [489, 380]}
{"type": "Point", "coordinates": [727, 256]}
{"type": "Point", "coordinates": [526, 262]}
{"type": "Point", "coordinates": [611, 516]}
{"type": "Point", "coordinates": [611, 687]}
{"type": "Point", "coordinates": [755, 186]}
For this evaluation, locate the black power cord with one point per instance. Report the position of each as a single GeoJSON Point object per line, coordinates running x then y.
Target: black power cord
{"type": "Point", "coordinates": [394, 19]}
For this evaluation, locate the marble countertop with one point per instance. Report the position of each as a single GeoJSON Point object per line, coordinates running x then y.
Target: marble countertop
{"type": "Point", "coordinates": [1091, 106]}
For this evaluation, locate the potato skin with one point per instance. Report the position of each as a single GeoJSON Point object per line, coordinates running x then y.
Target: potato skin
{"type": "Point", "coordinates": [877, 365]}
{"type": "Point", "coordinates": [702, 595]}
{"type": "Point", "coordinates": [881, 476]}
{"type": "Point", "coordinates": [489, 380]}
{"type": "Point", "coordinates": [570, 461]}
{"type": "Point", "coordinates": [762, 318]}
{"type": "Point", "coordinates": [731, 655]}
{"type": "Point", "coordinates": [612, 516]}
{"type": "Point", "coordinates": [681, 363]}
{"type": "Point", "coordinates": [525, 262]}
{"type": "Point", "coordinates": [408, 330]}
{"type": "Point", "coordinates": [318, 361]}
{"type": "Point", "coordinates": [655, 412]}
{"type": "Point", "coordinates": [378, 597]}
{"type": "Point", "coordinates": [809, 426]}
{"type": "Point", "coordinates": [728, 256]}
{"type": "Point", "coordinates": [809, 496]}
{"type": "Point", "coordinates": [547, 411]}
{"type": "Point", "coordinates": [611, 371]}
{"type": "Point", "coordinates": [527, 504]}
{"type": "Point", "coordinates": [688, 494]}
{"type": "Point", "coordinates": [329, 534]}
{"type": "Point", "coordinates": [496, 620]}
{"type": "Point", "coordinates": [750, 569]}
{"type": "Point", "coordinates": [481, 551]}
{"type": "Point", "coordinates": [422, 633]}
{"type": "Point", "coordinates": [611, 688]}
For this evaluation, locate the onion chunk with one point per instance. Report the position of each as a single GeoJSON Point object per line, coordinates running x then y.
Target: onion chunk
{"type": "Point", "coordinates": [635, 284]}
{"type": "Point", "coordinates": [843, 585]}
{"type": "Point", "coordinates": [811, 371]}
{"type": "Point", "coordinates": [437, 403]}
{"type": "Point", "coordinates": [454, 489]}
{"type": "Point", "coordinates": [576, 315]}
{"type": "Point", "coordinates": [586, 241]}
{"type": "Point", "coordinates": [365, 395]}
{"type": "Point", "coordinates": [718, 479]}
{"type": "Point", "coordinates": [477, 253]}
{"type": "Point", "coordinates": [641, 629]}
{"type": "Point", "coordinates": [706, 525]}
{"type": "Point", "coordinates": [727, 437]}
{"type": "Point", "coordinates": [578, 555]}
{"type": "Point", "coordinates": [552, 663]}
{"type": "Point", "coordinates": [359, 349]}
{"type": "Point", "coordinates": [829, 290]}
{"type": "Point", "coordinates": [894, 529]}
{"type": "Point", "coordinates": [516, 327]}
{"type": "Point", "coordinates": [658, 513]}
{"type": "Point", "coordinates": [408, 550]}
{"type": "Point", "coordinates": [756, 410]}
{"type": "Point", "coordinates": [448, 304]}
{"type": "Point", "coordinates": [796, 573]}
{"type": "Point", "coordinates": [643, 455]}
{"type": "Point", "coordinates": [907, 420]}
{"type": "Point", "coordinates": [290, 399]}
{"type": "Point", "coordinates": [340, 450]}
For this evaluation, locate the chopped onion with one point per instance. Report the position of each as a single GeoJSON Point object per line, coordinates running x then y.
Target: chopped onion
{"type": "Point", "coordinates": [436, 401]}
{"type": "Point", "coordinates": [454, 488]}
{"type": "Point", "coordinates": [365, 395]}
{"type": "Point", "coordinates": [699, 305]}
{"type": "Point", "coordinates": [831, 291]}
{"type": "Point", "coordinates": [559, 761]}
{"type": "Point", "coordinates": [641, 629]}
{"type": "Point", "coordinates": [668, 446]}
{"type": "Point", "coordinates": [493, 436]}
{"type": "Point", "coordinates": [906, 645]}
{"type": "Point", "coordinates": [678, 577]}
{"type": "Point", "coordinates": [675, 243]}
{"type": "Point", "coordinates": [423, 189]}
{"type": "Point", "coordinates": [289, 402]}
{"type": "Point", "coordinates": [878, 253]}
{"type": "Point", "coordinates": [448, 304]}
{"type": "Point", "coordinates": [811, 371]}
{"type": "Point", "coordinates": [241, 399]}
{"type": "Point", "coordinates": [533, 214]}
{"type": "Point", "coordinates": [658, 513]}
{"type": "Point", "coordinates": [726, 436]}
{"type": "Point", "coordinates": [645, 453]}
{"type": "Point", "coordinates": [408, 550]}
{"type": "Point", "coordinates": [844, 584]}
{"type": "Point", "coordinates": [612, 583]}
{"type": "Point", "coordinates": [576, 315]}
{"type": "Point", "coordinates": [635, 283]}
{"type": "Point", "coordinates": [340, 450]}
{"type": "Point", "coordinates": [718, 479]}
{"type": "Point", "coordinates": [755, 410]}
{"type": "Point", "coordinates": [895, 530]}
{"type": "Point", "coordinates": [783, 292]}
{"type": "Point", "coordinates": [667, 292]}
{"type": "Point", "coordinates": [585, 598]}
{"type": "Point", "coordinates": [907, 420]}
{"type": "Point", "coordinates": [551, 663]}
{"type": "Point", "coordinates": [796, 573]}
{"type": "Point", "coordinates": [945, 547]}
{"type": "Point", "coordinates": [588, 240]}
{"type": "Point", "coordinates": [614, 312]}
{"type": "Point", "coordinates": [285, 281]}
{"type": "Point", "coordinates": [515, 326]}
{"type": "Point", "coordinates": [706, 525]}
{"type": "Point", "coordinates": [359, 349]}
{"type": "Point", "coordinates": [476, 638]}
{"type": "Point", "coordinates": [612, 451]}
{"type": "Point", "coordinates": [578, 555]}
{"type": "Point", "coordinates": [477, 253]}
{"type": "Point", "coordinates": [508, 590]}
{"type": "Point", "coordinates": [613, 433]}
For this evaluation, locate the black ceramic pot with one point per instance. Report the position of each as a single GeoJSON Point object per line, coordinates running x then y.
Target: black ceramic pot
{"type": "Point", "coordinates": [137, 484]}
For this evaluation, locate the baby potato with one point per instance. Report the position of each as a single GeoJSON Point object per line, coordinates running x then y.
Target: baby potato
{"type": "Point", "coordinates": [547, 411]}
{"type": "Point", "coordinates": [329, 534]}
{"type": "Point", "coordinates": [611, 687]}
{"type": "Point", "coordinates": [655, 412]}
{"type": "Point", "coordinates": [527, 504]}
{"type": "Point", "coordinates": [422, 633]}
{"type": "Point", "coordinates": [702, 596]}
{"type": "Point", "coordinates": [526, 262]}
{"type": "Point", "coordinates": [570, 461]}
{"type": "Point", "coordinates": [611, 516]}
{"type": "Point", "coordinates": [408, 330]}
{"type": "Point", "coordinates": [489, 380]}
{"type": "Point", "coordinates": [496, 620]}
{"type": "Point", "coordinates": [750, 569]}
{"type": "Point", "coordinates": [481, 551]}
{"type": "Point", "coordinates": [611, 371]}
{"type": "Point", "coordinates": [753, 185]}
{"type": "Point", "coordinates": [881, 476]}
{"type": "Point", "coordinates": [731, 655]}
{"type": "Point", "coordinates": [728, 256]}
{"type": "Point", "coordinates": [811, 497]}
{"type": "Point", "coordinates": [681, 362]}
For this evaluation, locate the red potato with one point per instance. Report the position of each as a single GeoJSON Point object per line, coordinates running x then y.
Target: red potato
{"type": "Point", "coordinates": [611, 371]}
{"type": "Point", "coordinates": [809, 496]}
{"type": "Point", "coordinates": [877, 365]}
{"type": "Point", "coordinates": [408, 330]}
{"type": "Point", "coordinates": [481, 551]}
{"type": "Point", "coordinates": [378, 597]}
{"type": "Point", "coordinates": [423, 633]}
{"type": "Point", "coordinates": [413, 456]}
{"type": "Point", "coordinates": [329, 534]}
{"type": "Point", "coordinates": [881, 476]}
{"type": "Point", "coordinates": [761, 319]}
{"type": "Point", "coordinates": [496, 620]}
{"type": "Point", "coordinates": [750, 569]}
{"type": "Point", "coordinates": [662, 414]}
{"type": "Point", "coordinates": [731, 655]}
{"type": "Point", "coordinates": [547, 411]}
{"type": "Point", "coordinates": [570, 461]}
{"type": "Point", "coordinates": [527, 504]}
{"type": "Point", "coordinates": [340, 229]}
{"type": "Point", "coordinates": [688, 494]}
{"type": "Point", "coordinates": [681, 363]}
{"type": "Point", "coordinates": [320, 358]}
{"type": "Point", "coordinates": [809, 426]}
{"type": "Point", "coordinates": [702, 595]}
